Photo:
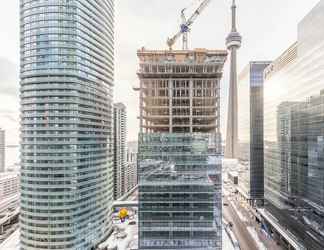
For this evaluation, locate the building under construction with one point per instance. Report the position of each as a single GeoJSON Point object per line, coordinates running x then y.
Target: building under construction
{"type": "Point", "coordinates": [180, 149]}
{"type": "Point", "coordinates": [180, 90]}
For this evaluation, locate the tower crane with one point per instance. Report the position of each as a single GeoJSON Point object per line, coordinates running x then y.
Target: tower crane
{"type": "Point", "coordinates": [185, 26]}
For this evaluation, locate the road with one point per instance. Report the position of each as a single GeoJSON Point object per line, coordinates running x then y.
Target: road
{"type": "Point", "coordinates": [239, 228]}
{"type": "Point", "coordinates": [245, 210]}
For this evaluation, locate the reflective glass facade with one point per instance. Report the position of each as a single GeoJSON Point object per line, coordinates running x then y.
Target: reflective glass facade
{"type": "Point", "coordinates": [294, 133]}
{"type": "Point", "coordinates": [179, 191]}
{"type": "Point", "coordinates": [66, 123]}
{"type": "Point", "coordinates": [250, 129]}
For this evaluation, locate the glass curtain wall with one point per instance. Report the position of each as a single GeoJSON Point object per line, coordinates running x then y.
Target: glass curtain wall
{"type": "Point", "coordinates": [180, 191]}
{"type": "Point", "coordinates": [294, 132]}
{"type": "Point", "coordinates": [67, 55]}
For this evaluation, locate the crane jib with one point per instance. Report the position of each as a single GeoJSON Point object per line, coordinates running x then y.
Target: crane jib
{"type": "Point", "coordinates": [185, 26]}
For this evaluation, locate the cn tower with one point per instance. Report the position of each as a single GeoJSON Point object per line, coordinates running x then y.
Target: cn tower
{"type": "Point", "coordinates": [233, 43]}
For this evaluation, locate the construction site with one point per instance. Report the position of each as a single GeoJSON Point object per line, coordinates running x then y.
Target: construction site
{"type": "Point", "coordinates": [179, 90]}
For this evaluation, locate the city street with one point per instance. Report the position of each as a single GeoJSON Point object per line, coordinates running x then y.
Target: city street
{"type": "Point", "coordinates": [245, 227]}
{"type": "Point", "coordinates": [244, 209]}
{"type": "Point", "coordinates": [239, 228]}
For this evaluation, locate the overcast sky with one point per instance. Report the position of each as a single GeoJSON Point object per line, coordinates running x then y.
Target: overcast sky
{"type": "Point", "coordinates": [267, 27]}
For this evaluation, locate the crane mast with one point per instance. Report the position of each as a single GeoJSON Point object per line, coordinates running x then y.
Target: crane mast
{"type": "Point", "coordinates": [185, 26]}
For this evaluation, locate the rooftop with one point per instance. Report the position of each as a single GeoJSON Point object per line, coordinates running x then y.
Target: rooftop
{"type": "Point", "coordinates": [182, 56]}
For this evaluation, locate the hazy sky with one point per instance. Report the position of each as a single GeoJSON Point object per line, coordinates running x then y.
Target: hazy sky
{"type": "Point", "coordinates": [267, 27]}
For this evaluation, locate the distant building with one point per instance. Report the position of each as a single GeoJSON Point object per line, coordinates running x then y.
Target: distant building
{"type": "Point", "coordinates": [120, 150]}
{"type": "Point", "coordinates": [9, 192]}
{"type": "Point", "coordinates": [2, 151]}
{"type": "Point", "coordinates": [233, 177]}
{"type": "Point", "coordinates": [250, 130]}
{"type": "Point", "coordinates": [294, 133]}
{"type": "Point", "coordinates": [131, 166]}
{"type": "Point", "coordinates": [9, 184]}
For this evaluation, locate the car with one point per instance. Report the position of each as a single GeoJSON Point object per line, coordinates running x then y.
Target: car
{"type": "Point", "coordinates": [121, 235]}
{"type": "Point", "coordinates": [225, 204]}
{"type": "Point", "coordinates": [132, 222]}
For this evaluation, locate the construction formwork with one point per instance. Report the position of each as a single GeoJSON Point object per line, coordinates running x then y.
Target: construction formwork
{"type": "Point", "coordinates": [180, 90]}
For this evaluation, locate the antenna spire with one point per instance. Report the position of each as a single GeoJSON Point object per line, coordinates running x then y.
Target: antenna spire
{"type": "Point", "coordinates": [233, 16]}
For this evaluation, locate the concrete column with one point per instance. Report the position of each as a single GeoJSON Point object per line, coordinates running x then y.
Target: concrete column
{"type": "Point", "coordinates": [217, 111]}
{"type": "Point", "coordinates": [170, 105]}
{"type": "Point", "coordinates": [191, 104]}
{"type": "Point", "coordinates": [141, 106]}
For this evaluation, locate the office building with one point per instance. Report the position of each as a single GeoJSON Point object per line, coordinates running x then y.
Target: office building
{"type": "Point", "coordinates": [67, 55]}
{"type": "Point", "coordinates": [2, 151]}
{"type": "Point", "coordinates": [293, 133]}
{"type": "Point", "coordinates": [233, 43]}
{"type": "Point", "coordinates": [120, 149]}
{"type": "Point", "coordinates": [180, 149]}
{"type": "Point", "coordinates": [250, 130]}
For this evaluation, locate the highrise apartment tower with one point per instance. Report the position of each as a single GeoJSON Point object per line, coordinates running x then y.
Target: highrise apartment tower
{"type": "Point", "coordinates": [2, 151]}
{"type": "Point", "coordinates": [131, 169]}
{"type": "Point", "coordinates": [120, 150]}
{"type": "Point", "coordinates": [233, 43]}
{"type": "Point", "coordinates": [179, 149]}
{"type": "Point", "coordinates": [66, 86]}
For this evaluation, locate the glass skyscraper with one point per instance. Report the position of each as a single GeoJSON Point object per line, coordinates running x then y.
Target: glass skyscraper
{"type": "Point", "coordinates": [250, 131]}
{"type": "Point", "coordinates": [67, 52]}
{"type": "Point", "coordinates": [294, 133]}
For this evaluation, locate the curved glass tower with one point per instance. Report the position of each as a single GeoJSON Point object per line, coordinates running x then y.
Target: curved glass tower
{"type": "Point", "coordinates": [66, 123]}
